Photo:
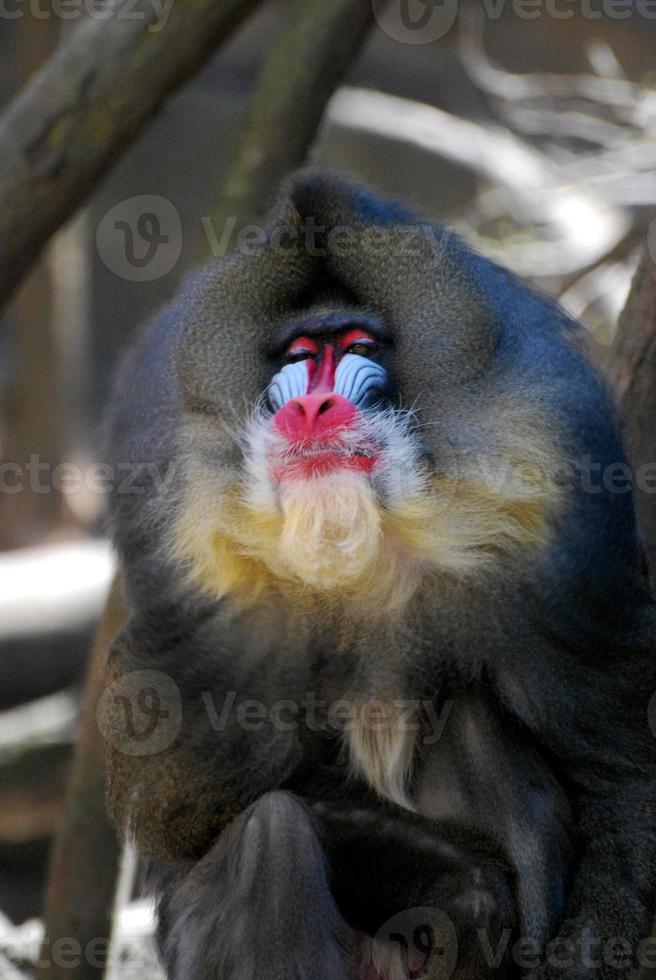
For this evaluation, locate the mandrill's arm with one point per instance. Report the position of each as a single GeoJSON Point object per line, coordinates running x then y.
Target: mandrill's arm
{"type": "Point", "coordinates": [596, 724]}
{"type": "Point", "coordinates": [180, 767]}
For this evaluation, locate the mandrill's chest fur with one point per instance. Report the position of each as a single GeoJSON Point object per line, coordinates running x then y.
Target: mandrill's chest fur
{"type": "Point", "coordinates": [340, 688]}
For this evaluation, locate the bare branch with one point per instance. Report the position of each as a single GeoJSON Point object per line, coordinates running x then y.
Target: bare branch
{"type": "Point", "coordinates": [632, 371]}
{"type": "Point", "coordinates": [572, 228]}
{"type": "Point", "coordinates": [300, 74]}
{"type": "Point", "coordinates": [86, 104]}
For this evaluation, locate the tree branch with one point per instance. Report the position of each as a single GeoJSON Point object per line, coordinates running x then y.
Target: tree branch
{"type": "Point", "coordinates": [632, 372]}
{"type": "Point", "coordinates": [86, 105]}
{"type": "Point", "coordinates": [301, 72]}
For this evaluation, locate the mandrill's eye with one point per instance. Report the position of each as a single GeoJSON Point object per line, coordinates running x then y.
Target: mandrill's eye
{"type": "Point", "coordinates": [362, 349]}
{"type": "Point", "coordinates": [300, 350]}
{"type": "Point", "coordinates": [359, 342]}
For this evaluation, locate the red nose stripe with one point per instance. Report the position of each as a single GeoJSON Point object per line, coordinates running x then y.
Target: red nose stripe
{"type": "Point", "coordinates": [322, 374]}
{"type": "Point", "coordinates": [315, 417]}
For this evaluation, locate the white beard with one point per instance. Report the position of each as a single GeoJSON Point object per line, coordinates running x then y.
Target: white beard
{"type": "Point", "coordinates": [331, 529]}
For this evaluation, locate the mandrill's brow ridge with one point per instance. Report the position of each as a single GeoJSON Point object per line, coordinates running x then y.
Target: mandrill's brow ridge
{"type": "Point", "coordinates": [317, 325]}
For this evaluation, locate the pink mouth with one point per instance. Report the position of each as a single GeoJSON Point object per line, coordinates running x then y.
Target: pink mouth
{"type": "Point", "coordinates": [304, 461]}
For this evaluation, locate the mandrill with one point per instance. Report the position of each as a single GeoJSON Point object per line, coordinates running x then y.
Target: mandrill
{"type": "Point", "coordinates": [388, 617]}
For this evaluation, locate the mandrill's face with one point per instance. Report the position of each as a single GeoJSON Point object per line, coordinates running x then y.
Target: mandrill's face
{"type": "Point", "coordinates": [337, 490]}
{"type": "Point", "coordinates": [318, 398]}
{"type": "Point", "coordinates": [332, 460]}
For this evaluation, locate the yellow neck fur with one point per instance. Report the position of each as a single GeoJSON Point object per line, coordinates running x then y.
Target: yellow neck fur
{"type": "Point", "coordinates": [330, 535]}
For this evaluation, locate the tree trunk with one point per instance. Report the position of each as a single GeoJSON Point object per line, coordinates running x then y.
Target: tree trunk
{"type": "Point", "coordinates": [632, 373]}
{"type": "Point", "coordinates": [304, 67]}
{"type": "Point", "coordinates": [85, 859]}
